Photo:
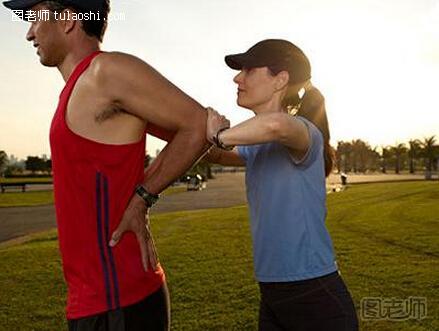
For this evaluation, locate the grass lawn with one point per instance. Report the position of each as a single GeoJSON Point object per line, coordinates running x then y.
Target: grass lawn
{"type": "Point", "coordinates": [36, 198]}
{"type": "Point", "coordinates": [385, 236]}
{"type": "Point", "coordinates": [20, 199]}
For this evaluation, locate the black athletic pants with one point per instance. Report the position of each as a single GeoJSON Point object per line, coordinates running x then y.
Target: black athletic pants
{"type": "Point", "coordinates": [319, 304]}
{"type": "Point", "coordinates": [151, 314]}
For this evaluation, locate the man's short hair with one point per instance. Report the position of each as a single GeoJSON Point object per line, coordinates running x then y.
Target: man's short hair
{"type": "Point", "coordinates": [93, 27]}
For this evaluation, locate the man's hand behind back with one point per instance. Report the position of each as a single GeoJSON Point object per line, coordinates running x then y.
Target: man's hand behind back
{"type": "Point", "coordinates": [136, 219]}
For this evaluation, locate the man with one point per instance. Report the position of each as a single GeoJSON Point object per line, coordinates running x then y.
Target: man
{"type": "Point", "coordinates": [102, 194]}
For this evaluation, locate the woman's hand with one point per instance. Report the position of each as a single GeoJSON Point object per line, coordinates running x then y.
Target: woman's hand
{"type": "Point", "coordinates": [215, 122]}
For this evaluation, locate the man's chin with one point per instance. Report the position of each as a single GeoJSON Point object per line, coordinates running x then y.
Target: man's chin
{"type": "Point", "coordinates": [46, 63]}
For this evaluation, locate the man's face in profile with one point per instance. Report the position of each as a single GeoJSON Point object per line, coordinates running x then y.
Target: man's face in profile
{"type": "Point", "coordinates": [46, 35]}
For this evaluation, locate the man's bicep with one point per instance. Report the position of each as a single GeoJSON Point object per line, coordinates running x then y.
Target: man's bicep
{"type": "Point", "coordinates": [160, 133]}
{"type": "Point", "coordinates": [232, 158]}
{"type": "Point", "coordinates": [141, 90]}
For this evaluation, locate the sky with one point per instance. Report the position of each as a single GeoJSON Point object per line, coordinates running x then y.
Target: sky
{"type": "Point", "coordinates": [375, 61]}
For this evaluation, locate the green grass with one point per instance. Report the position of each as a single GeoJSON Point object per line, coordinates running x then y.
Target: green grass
{"type": "Point", "coordinates": [387, 244]}
{"type": "Point", "coordinates": [385, 235]}
{"type": "Point", "coordinates": [17, 198]}
{"type": "Point", "coordinates": [32, 198]}
{"type": "Point", "coordinates": [37, 198]}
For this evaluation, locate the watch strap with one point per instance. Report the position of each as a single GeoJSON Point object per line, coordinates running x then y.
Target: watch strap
{"type": "Point", "coordinates": [149, 198]}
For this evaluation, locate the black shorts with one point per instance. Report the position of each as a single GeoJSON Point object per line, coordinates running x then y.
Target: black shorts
{"type": "Point", "coordinates": [319, 304]}
{"type": "Point", "coordinates": [152, 313]}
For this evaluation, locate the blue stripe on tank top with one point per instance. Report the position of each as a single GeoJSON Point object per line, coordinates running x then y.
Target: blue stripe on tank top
{"type": "Point", "coordinates": [101, 240]}
{"type": "Point", "coordinates": [109, 251]}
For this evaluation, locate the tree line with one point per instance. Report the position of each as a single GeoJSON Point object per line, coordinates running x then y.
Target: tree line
{"type": "Point", "coordinates": [357, 156]}
{"type": "Point", "coordinates": [33, 164]}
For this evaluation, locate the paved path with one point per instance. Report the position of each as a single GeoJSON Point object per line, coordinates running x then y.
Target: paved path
{"type": "Point", "coordinates": [19, 221]}
{"type": "Point", "coordinates": [225, 191]}
{"type": "Point", "coordinates": [360, 178]}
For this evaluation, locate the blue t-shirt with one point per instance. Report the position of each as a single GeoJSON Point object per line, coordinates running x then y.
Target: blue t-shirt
{"type": "Point", "coordinates": [287, 202]}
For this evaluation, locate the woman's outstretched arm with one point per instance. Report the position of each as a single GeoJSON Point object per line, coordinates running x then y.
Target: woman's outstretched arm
{"type": "Point", "coordinates": [263, 128]}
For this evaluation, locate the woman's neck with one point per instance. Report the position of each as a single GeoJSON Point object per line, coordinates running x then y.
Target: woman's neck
{"type": "Point", "coordinates": [272, 106]}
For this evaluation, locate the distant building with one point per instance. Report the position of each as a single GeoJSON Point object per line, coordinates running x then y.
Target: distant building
{"type": "Point", "coordinates": [13, 160]}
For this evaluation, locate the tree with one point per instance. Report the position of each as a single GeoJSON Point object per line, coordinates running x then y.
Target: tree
{"type": "Point", "coordinates": [386, 155]}
{"type": "Point", "coordinates": [34, 163]}
{"type": "Point", "coordinates": [429, 153]}
{"type": "Point", "coordinates": [374, 159]}
{"type": "Point", "coordinates": [342, 155]}
{"type": "Point", "coordinates": [13, 169]}
{"type": "Point", "coordinates": [3, 162]}
{"type": "Point", "coordinates": [357, 156]}
{"type": "Point", "coordinates": [398, 151]}
{"type": "Point", "coordinates": [414, 152]}
{"type": "Point", "coordinates": [356, 151]}
{"type": "Point", "coordinates": [48, 166]}
{"type": "Point", "coordinates": [363, 155]}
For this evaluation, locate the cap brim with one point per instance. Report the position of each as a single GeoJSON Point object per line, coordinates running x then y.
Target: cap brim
{"type": "Point", "coordinates": [237, 61]}
{"type": "Point", "coordinates": [243, 60]}
{"type": "Point", "coordinates": [20, 4]}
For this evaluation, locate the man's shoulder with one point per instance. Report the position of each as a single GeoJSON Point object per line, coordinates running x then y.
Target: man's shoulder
{"type": "Point", "coordinates": [115, 58]}
{"type": "Point", "coordinates": [108, 64]}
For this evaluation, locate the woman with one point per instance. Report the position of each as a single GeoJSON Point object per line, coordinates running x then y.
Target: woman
{"type": "Point", "coordinates": [287, 155]}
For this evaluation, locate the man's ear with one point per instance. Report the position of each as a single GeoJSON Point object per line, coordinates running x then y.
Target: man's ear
{"type": "Point", "coordinates": [282, 79]}
{"type": "Point", "coordinates": [69, 24]}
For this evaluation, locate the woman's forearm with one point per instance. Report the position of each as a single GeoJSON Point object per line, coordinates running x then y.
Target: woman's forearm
{"type": "Point", "coordinates": [257, 130]}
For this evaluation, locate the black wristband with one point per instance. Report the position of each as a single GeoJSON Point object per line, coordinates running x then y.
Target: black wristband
{"type": "Point", "coordinates": [219, 143]}
{"type": "Point", "coordinates": [149, 198]}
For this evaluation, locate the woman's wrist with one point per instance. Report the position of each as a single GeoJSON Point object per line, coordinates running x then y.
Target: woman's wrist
{"type": "Point", "coordinates": [219, 142]}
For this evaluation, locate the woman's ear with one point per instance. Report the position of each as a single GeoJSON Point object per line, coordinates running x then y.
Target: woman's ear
{"type": "Point", "coordinates": [282, 79]}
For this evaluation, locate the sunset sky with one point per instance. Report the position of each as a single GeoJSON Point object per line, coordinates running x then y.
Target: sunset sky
{"type": "Point", "coordinates": [375, 61]}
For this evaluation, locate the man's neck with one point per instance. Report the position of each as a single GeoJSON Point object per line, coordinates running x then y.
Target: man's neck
{"type": "Point", "coordinates": [73, 58]}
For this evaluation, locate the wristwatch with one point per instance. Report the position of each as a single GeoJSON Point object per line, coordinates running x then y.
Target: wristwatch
{"type": "Point", "coordinates": [150, 199]}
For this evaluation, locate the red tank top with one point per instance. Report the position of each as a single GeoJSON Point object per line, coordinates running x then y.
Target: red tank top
{"type": "Point", "coordinates": [93, 183]}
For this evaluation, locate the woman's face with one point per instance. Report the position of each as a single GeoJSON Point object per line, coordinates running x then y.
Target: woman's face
{"type": "Point", "coordinates": [256, 87]}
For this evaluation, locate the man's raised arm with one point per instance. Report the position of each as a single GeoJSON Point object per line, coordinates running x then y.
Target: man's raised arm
{"type": "Point", "coordinates": [138, 89]}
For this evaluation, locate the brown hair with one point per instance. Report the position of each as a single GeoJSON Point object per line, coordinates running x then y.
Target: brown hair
{"type": "Point", "coordinates": [94, 28]}
{"type": "Point", "coordinates": [312, 107]}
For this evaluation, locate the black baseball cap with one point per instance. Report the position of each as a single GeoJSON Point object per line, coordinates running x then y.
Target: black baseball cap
{"type": "Point", "coordinates": [277, 54]}
{"type": "Point", "coordinates": [92, 5]}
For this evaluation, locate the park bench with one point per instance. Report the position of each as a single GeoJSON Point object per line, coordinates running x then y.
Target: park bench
{"type": "Point", "coordinates": [23, 185]}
